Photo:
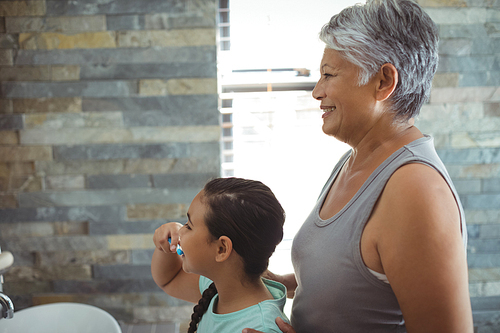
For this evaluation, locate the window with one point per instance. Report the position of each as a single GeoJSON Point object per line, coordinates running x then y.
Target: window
{"type": "Point", "coordinates": [227, 118]}
{"type": "Point", "coordinates": [224, 27]}
{"type": "Point", "coordinates": [227, 103]}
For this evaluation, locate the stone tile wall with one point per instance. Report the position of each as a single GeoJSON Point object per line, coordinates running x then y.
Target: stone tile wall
{"type": "Point", "coordinates": [464, 117]}
{"type": "Point", "coordinates": [109, 126]}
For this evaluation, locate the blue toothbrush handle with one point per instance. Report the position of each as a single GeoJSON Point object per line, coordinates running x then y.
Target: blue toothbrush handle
{"type": "Point", "coordinates": [179, 250]}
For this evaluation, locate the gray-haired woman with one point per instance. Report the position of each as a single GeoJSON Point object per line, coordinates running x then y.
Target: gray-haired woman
{"type": "Point", "coordinates": [384, 249]}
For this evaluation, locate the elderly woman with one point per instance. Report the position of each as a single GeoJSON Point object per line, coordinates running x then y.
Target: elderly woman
{"type": "Point", "coordinates": [383, 250]}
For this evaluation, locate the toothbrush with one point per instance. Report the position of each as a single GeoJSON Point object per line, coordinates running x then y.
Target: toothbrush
{"type": "Point", "coordinates": [179, 250]}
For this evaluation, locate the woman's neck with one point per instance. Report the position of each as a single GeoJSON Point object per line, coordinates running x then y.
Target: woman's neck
{"type": "Point", "coordinates": [235, 295]}
{"type": "Point", "coordinates": [382, 141]}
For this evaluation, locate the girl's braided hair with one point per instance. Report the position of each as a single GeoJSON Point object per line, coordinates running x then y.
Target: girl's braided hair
{"type": "Point", "coordinates": [202, 306]}
{"type": "Point", "coordinates": [249, 214]}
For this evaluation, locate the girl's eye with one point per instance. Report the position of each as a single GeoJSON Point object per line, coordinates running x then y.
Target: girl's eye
{"type": "Point", "coordinates": [187, 226]}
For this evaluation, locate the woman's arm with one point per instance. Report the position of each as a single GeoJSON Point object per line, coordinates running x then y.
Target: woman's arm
{"type": "Point", "coordinates": [282, 325]}
{"type": "Point", "coordinates": [422, 252]}
{"type": "Point", "coordinates": [288, 280]}
{"type": "Point", "coordinates": [166, 266]}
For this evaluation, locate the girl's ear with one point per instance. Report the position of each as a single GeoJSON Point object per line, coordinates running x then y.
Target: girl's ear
{"type": "Point", "coordinates": [224, 248]}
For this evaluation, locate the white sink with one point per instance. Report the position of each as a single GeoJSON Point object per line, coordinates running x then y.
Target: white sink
{"type": "Point", "coordinates": [60, 318]}
{"type": "Point", "coordinates": [6, 260]}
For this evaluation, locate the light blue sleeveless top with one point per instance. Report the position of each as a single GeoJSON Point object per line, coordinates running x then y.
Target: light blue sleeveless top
{"type": "Point", "coordinates": [336, 292]}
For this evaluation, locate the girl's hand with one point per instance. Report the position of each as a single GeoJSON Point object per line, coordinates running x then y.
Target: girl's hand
{"type": "Point", "coordinates": [163, 233]}
{"type": "Point", "coordinates": [166, 266]}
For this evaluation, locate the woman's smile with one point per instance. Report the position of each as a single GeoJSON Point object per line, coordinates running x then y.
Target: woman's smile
{"type": "Point", "coordinates": [327, 111]}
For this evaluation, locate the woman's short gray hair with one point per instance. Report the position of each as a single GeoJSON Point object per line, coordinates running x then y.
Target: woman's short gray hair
{"type": "Point", "coordinates": [398, 32]}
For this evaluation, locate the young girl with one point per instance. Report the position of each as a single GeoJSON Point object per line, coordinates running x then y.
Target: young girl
{"type": "Point", "coordinates": [233, 228]}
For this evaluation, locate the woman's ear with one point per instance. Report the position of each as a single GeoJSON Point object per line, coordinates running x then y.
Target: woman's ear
{"type": "Point", "coordinates": [224, 248]}
{"type": "Point", "coordinates": [387, 80]}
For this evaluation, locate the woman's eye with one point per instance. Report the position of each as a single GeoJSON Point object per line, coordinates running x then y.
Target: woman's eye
{"type": "Point", "coordinates": [187, 226]}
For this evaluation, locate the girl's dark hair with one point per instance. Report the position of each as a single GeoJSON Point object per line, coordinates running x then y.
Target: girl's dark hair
{"type": "Point", "coordinates": [202, 306]}
{"type": "Point", "coordinates": [249, 214]}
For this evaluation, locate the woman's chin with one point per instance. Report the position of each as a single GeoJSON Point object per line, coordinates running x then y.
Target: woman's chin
{"type": "Point", "coordinates": [328, 130]}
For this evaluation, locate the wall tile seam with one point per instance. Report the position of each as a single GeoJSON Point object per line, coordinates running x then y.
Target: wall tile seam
{"type": "Point", "coordinates": [7, 57]}
{"type": "Point", "coordinates": [59, 120]}
{"type": "Point", "coordinates": [9, 41]}
{"type": "Point", "coordinates": [176, 150]}
{"type": "Point", "coordinates": [167, 103]}
{"type": "Point", "coordinates": [467, 64]}
{"type": "Point", "coordinates": [482, 216]}
{"type": "Point", "coordinates": [11, 122]}
{"type": "Point", "coordinates": [481, 258]}
{"type": "Point", "coordinates": [156, 293]}
{"type": "Point", "coordinates": [105, 197]}
{"type": "Point", "coordinates": [45, 73]}
{"type": "Point", "coordinates": [484, 231]}
{"type": "Point", "coordinates": [465, 30]}
{"type": "Point", "coordinates": [464, 95]}
{"type": "Point", "coordinates": [143, 22]}
{"type": "Point", "coordinates": [468, 177]}
{"type": "Point", "coordinates": [483, 237]}
{"type": "Point", "coordinates": [26, 153]}
{"type": "Point", "coordinates": [131, 55]}
{"type": "Point", "coordinates": [114, 39]}
{"type": "Point", "coordinates": [426, 4]}
{"type": "Point", "coordinates": [485, 267]}
{"type": "Point", "coordinates": [147, 70]}
{"type": "Point", "coordinates": [153, 180]}
{"type": "Point", "coordinates": [36, 269]}
{"type": "Point", "coordinates": [89, 89]}
{"type": "Point", "coordinates": [32, 8]}
{"type": "Point", "coordinates": [67, 213]}
{"type": "Point", "coordinates": [456, 15]}
{"type": "Point", "coordinates": [55, 8]}
{"type": "Point", "coordinates": [48, 22]}
{"type": "Point", "coordinates": [44, 105]}
{"type": "Point", "coordinates": [9, 137]}
{"type": "Point", "coordinates": [479, 201]}
{"type": "Point", "coordinates": [465, 47]}
{"type": "Point", "coordinates": [486, 282]}
{"type": "Point", "coordinates": [477, 271]}
{"type": "Point", "coordinates": [29, 89]}
{"type": "Point", "coordinates": [123, 166]}
{"type": "Point", "coordinates": [15, 185]}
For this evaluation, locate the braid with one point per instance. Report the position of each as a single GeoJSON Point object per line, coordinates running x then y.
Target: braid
{"type": "Point", "coordinates": [202, 306]}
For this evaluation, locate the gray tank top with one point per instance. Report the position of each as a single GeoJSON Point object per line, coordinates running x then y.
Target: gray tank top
{"type": "Point", "coordinates": [336, 292]}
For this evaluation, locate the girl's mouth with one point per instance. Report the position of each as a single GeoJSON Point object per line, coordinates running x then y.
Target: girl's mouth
{"type": "Point", "coordinates": [179, 251]}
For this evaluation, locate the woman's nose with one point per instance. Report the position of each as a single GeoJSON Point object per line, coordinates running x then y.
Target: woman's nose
{"type": "Point", "coordinates": [317, 92]}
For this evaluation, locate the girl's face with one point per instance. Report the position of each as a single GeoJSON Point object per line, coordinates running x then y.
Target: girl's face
{"type": "Point", "coordinates": [197, 243]}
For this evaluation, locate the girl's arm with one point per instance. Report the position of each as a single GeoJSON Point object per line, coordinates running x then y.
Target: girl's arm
{"type": "Point", "coordinates": [166, 266]}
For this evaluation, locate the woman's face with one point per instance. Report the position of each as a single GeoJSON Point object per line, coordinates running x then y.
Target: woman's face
{"type": "Point", "coordinates": [348, 108]}
{"type": "Point", "coordinates": [196, 240]}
